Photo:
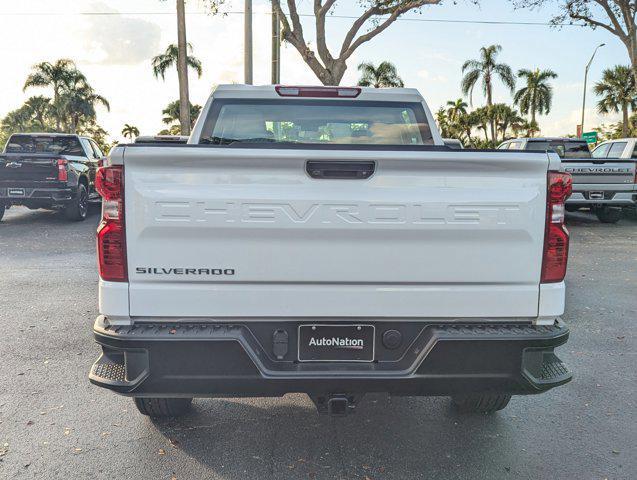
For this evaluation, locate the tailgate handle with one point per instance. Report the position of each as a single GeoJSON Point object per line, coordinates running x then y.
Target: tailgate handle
{"type": "Point", "coordinates": [340, 170]}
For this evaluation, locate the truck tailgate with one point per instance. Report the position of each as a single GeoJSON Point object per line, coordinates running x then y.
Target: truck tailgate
{"type": "Point", "coordinates": [224, 232]}
{"type": "Point", "coordinates": [16, 169]}
{"type": "Point", "coordinates": [611, 171]}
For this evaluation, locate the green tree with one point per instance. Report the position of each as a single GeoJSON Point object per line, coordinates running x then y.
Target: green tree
{"type": "Point", "coordinates": [55, 75]}
{"type": "Point", "coordinates": [383, 76]}
{"type": "Point", "coordinates": [167, 60]}
{"type": "Point", "coordinates": [39, 109]}
{"type": "Point", "coordinates": [505, 117]}
{"type": "Point", "coordinates": [442, 119]}
{"type": "Point", "coordinates": [171, 113]}
{"type": "Point", "coordinates": [617, 89]}
{"type": "Point", "coordinates": [537, 95]}
{"type": "Point", "coordinates": [456, 109]}
{"type": "Point", "coordinates": [486, 69]}
{"type": "Point", "coordinates": [130, 131]}
{"type": "Point", "coordinates": [78, 101]}
{"type": "Point", "coordinates": [481, 118]}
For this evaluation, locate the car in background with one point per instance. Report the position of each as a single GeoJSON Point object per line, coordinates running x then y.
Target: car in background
{"type": "Point", "coordinates": [54, 171]}
{"type": "Point", "coordinates": [565, 147]}
{"type": "Point", "coordinates": [603, 180]}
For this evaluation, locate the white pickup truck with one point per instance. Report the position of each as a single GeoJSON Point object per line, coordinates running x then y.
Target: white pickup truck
{"type": "Point", "coordinates": [324, 240]}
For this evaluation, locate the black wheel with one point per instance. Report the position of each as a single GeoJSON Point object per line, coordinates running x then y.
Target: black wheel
{"type": "Point", "coordinates": [163, 407]}
{"type": "Point", "coordinates": [608, 214]}
{"type": "Point", "coordinates": [2, 209]}
{"type": "Point", "coordinates": [480, 403]}
{"type": "Point", "coordinates": [78, 209]}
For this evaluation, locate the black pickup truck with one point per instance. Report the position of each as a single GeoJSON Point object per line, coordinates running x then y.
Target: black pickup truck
{"type": "Point", "coordinates": [49, 170]}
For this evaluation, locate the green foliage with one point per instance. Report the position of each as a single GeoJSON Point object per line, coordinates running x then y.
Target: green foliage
{"type": "Point", "coordinates": [486, 68]}
{"type": "Point", "coordinates": [163, 62]}
{"type": "Point", "coordinates": [130, 131]}
{"type": "Point", "coordinates": [617, 89]}
{"type": "Point", "coordinates": [171, 114]}
{"type": "Point", "coordinates": [383, 76]}
{"type": "Point", "coordinates": [457, 122]}
{"type": "Point", "coordinates": [72, 108]}
{"type": "Point", "coordinates": [537, 95]}
{"type": "Point", "coordinates": [616, 130]}
{"type": "Point", "coordinates": [618, 94]}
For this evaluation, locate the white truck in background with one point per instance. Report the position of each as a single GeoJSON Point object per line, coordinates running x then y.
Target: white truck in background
{"type": "Point", "coordinates": [604, 180]}
{"type": "Point", "coordinates": [324, 240]}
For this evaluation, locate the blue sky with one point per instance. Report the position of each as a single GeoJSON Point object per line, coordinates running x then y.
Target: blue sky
{"type": "Point", "coordinates": [114, 51]}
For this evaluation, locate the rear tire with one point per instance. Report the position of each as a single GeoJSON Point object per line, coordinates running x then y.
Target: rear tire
{"type": "Point", "coordinates": [608, 214]}
{"type": "Point", "coordinates": [163, 407]}
{"type": "Point", "coordinates": [78, 209]}
{"type": "Point", "coordinates": [480, 403]}
{"type": "Point", "coordinates": [2, 209]}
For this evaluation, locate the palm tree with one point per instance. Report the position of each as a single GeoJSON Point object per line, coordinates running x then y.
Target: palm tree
{"type": "Point", "coordinates": [486, 68]}
{"type": "Point", "coordinates": [383, 76]}
{"type": "Point", "coordinates": [55, 75]}
{"type": "Point", "coordinates": [617, 89]}
{"type": "Point", "coordinates": [78, 101]}
{"type": "Point", "coordinates": [537, 95]}
{"type": "Point", "coordinates": [171, 113]}
{"type": "Point", "coordinates": [506, 117]}
{"type": "Point", "coordinates": [39, 108]}
{"type": "Point", "coordinates": [481, 119]}
{"type": "Point", "coordinates": [456, 109]}
{"type": "Point", "coordinates": [165, 61]}
{"type": "Point", "coordinates": [442, 119]}
{"type": "Point", "coordinates": [130, 131]}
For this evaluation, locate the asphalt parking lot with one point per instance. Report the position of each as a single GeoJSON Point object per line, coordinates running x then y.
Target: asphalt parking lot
{"type": "Point", "coordinates": [54, 424]}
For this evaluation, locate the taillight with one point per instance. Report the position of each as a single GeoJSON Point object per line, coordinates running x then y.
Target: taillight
{"type": "Point", "coordinates": [111, 235]}
{"type": "Point", "coordinates": [63, 174]}
{"type": "Point", "coordinates": [318, 92]}
{"type": "Point", "coordinates": [555, 257]}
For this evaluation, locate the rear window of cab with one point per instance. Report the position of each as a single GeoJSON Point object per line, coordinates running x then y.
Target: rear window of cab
{"type": "Point", "coordinates": [347, 124]}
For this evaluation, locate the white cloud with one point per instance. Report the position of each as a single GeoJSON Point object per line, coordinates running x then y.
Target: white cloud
{"type": "Point", "coordinates": [117, 39]}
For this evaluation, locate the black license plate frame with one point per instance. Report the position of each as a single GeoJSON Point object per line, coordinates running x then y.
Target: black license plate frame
{"type": "Point", "coordinates": [336, 343]}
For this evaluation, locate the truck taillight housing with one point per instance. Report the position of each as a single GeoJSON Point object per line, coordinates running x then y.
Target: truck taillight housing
{"type": "Point", "coordinates": [63, 174]}
{"type": "Point", "coordinates": [555, 257]}
{"type": "Point", "coordinates": [111, 234]}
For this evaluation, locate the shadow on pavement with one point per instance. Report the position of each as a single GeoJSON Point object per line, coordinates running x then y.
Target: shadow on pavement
{"type": "Point", "coordinates": [239, 440]}
{"type": "Point", "coordinates": [23, 216]}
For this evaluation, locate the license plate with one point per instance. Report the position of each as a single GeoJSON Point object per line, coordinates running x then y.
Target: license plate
{"type": "Point", "coordinates": [596, 195]}
{"type": "Point", "coordinates": [336, 343]}
{"type": "Point", "coordinates": [16, 192]}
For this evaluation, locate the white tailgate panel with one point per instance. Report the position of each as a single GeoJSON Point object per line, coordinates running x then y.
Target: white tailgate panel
{"type": "Point", "coordinates": [428, 235]}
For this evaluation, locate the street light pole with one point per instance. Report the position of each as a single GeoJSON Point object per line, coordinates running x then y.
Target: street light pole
{"type": "Point", "coordinates": [247, 42]}
{"type": "Point", "coordinates": [588, 66]}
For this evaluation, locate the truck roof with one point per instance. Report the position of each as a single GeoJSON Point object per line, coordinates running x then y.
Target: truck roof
{"type": "Point", "coordinates": [548, 139]}
{"type": "Point", "coordinates": [49, 134]}
{"type": "Point", "coordinates": [269, 92]}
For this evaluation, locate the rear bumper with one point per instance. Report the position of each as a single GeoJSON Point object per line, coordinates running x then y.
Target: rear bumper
{"type": "Point", "coordinates": [233, 360]}
{"type": "Point", "coordinates": [36, 195]}
{"type": "Point", "coordinates": [602, 194]}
